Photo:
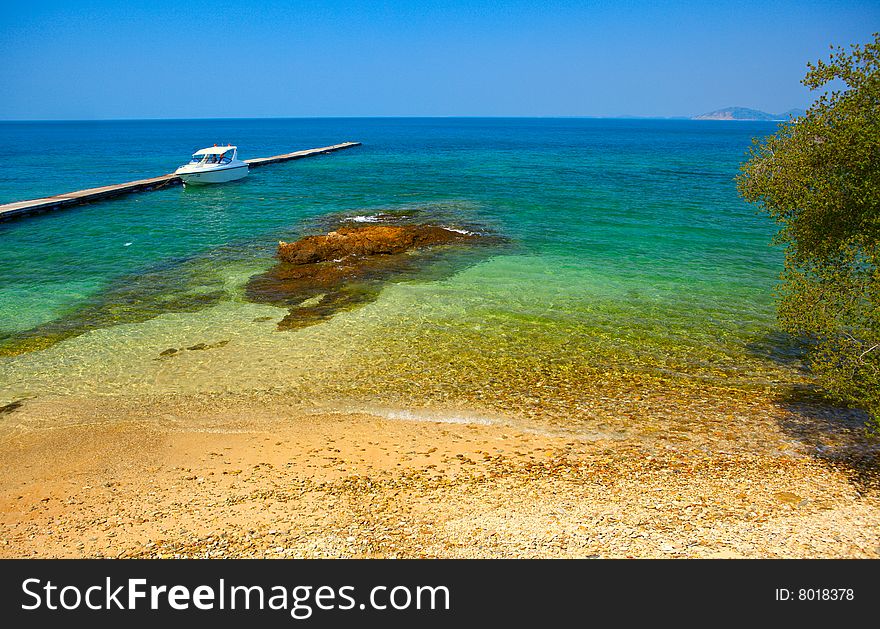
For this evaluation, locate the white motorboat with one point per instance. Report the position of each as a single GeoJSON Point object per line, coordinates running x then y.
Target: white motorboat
{"type": "Point", "coordinates": [216, 164]}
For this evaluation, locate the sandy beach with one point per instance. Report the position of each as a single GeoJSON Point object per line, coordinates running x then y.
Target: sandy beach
{"type": "Point", "coordinates": [224, 477]}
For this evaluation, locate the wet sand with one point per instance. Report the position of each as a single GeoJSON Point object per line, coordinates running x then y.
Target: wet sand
{"type": "Point", "coordinates": [263, 478]}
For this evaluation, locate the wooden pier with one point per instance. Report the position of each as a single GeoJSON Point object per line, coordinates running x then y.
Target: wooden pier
{"type": "Point", "coordinates": [35, 206]}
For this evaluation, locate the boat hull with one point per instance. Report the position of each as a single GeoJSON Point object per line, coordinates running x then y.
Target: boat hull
{"type": "Point", "coordinates": [214, 175]}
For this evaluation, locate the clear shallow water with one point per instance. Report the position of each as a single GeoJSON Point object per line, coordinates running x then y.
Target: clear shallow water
{"type": "Point", "coordinates": [629, 252]}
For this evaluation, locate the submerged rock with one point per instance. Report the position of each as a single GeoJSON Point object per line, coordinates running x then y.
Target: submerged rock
{"type": "Point", "coordinates": [199, 346]}
{"type": "Point", "coordinates": [173, 351]}
{"type": "Point", "coordinates": [173, 287]}
{"type": "Point", "coordinates": [12, 406]}
{"type": "Point", "coordinates": [318, 276]}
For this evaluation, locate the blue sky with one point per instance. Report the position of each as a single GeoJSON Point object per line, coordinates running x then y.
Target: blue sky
{"type": "Point", "coordinates": [185, 59]}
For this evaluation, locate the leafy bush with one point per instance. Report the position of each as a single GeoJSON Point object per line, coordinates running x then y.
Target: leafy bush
{"type": "Point", "coordinates": [819, 177]}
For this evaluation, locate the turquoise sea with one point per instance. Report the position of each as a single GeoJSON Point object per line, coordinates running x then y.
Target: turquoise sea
{"type": "Point", "coordinates": [627, 254]}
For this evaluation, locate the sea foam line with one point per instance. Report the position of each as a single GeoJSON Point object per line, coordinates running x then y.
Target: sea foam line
{"type": "Point", "coordinates": [432, 417]}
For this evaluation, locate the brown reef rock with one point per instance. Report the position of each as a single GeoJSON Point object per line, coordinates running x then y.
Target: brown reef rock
{"type": "Point", "coordinates": [318, 276]}
{"type": "Point", "coordinates": [366, 241]}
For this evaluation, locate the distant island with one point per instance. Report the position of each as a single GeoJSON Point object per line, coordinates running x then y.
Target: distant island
{"type": "Point", "coordinates": [744, 113]}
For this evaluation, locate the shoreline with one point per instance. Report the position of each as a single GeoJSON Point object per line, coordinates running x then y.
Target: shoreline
{"type": "Point", "coordinates": [203, 477]}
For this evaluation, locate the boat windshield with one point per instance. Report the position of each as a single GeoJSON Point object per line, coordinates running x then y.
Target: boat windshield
{"type": "Point", "coordinates": [213, 158]}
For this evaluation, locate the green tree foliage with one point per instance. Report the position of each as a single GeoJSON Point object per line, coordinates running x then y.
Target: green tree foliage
{"type": "Point", "coordinates": [819, 177]}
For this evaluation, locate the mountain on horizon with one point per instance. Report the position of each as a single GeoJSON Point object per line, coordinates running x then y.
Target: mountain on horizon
{"type": "Point", "coordinates": [744, 113]}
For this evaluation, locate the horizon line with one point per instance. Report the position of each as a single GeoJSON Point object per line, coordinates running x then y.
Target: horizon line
{"type": "Point", "coordinates": [414, 117]}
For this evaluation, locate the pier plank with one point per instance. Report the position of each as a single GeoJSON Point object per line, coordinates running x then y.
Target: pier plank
{"type": "Point", "coordinates": [34, 206]}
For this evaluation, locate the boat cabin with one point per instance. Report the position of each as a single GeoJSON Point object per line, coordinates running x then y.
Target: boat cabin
{"type": "Point", "coordinates": [215, 155]}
